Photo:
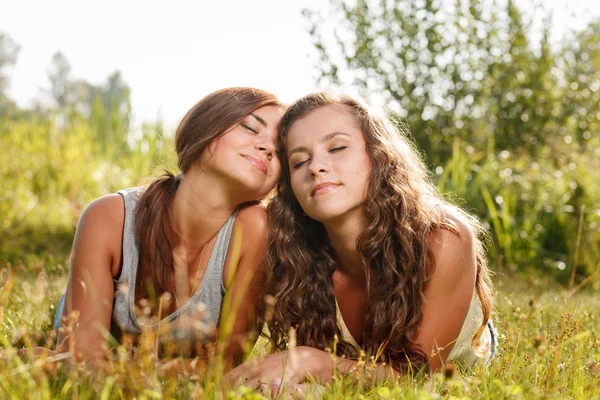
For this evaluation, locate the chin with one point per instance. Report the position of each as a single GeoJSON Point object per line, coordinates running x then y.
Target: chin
{"type": "Point", "coordinates": [250, 178]}
{"type": "Point", "coordinates": [332, 212]}
{"type": "Point", "coordinates": [255, 188]}
{"type": "Point", "coordinates": [324, 216]}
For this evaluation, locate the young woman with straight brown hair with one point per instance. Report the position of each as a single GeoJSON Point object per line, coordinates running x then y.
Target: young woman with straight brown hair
{"type": "Point", "coordinates": [149, 257]}
{"type": "Point", "coordinates": [363, 249]}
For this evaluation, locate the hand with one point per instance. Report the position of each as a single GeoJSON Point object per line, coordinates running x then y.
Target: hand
{"type": "Point", "coordinates": [286, 368]}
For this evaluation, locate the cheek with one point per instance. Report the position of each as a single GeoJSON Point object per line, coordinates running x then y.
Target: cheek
{"type": "Point", "coordinates": [276, 171]}
{"type": "Point", "coordinates": [232, 140]}
{"type": "Point", "coordinates": [218, 147]}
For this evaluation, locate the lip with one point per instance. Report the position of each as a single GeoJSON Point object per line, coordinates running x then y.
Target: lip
{"type": "Point", "coordinates": [259, 164]}
{"type": "Point", "coordinates": [323, 188]}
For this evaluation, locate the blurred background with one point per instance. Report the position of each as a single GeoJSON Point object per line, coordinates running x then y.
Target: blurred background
{"type": "Point", "coordinates": [502, 98]}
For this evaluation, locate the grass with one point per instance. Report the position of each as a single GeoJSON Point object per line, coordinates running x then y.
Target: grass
{"type": "Point", "coordinates": [549, 348]}
{"type": "Point", "coordinates": [544, 220]}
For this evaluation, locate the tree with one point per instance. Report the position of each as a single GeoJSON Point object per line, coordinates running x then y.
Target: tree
{"type": "Point", "coordinates": [116, 99]}
{"type": "Point", "coordinates": [465, 70]}
{"type": "Point", "coordinates": [9, 50]}
{"type": "Point", "coordinates": [59, 74]}
{"type": "Point", "coordinates": [106, 107]}
{"type": "Point", "coordinates": [110, 114]}
{"type": "Point", "coordinates": [580, 62]}
{"type": "Point", "coordinates": [509, 121]}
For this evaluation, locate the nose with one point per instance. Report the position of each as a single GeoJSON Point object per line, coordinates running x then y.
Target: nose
{"type": "Point", "coordinates": [267, 146]}
{"type": "Point", "coordinates": [318, 165]}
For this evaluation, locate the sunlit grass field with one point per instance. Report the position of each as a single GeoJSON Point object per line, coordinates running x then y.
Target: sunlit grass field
{"type": "Point", "coordinates": [508, 125]}
{"type": "Point", "coordinates": [549, 348]}
{"type": "Point", "coordinates": [544, 239]}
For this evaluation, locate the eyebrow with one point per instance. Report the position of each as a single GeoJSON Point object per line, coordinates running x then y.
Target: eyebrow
{"type": "Point", "coordinates": [324, 139]}
{"type": "Point", "coordinates": [259, 119]}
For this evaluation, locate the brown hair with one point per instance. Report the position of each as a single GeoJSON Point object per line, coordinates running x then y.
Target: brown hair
{"type": "Point", "coordinates": [403, 208]}
{"type": "Point", "coordinates": [203, 123]}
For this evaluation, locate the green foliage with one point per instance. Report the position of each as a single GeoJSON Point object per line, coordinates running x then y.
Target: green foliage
{"type": "Point", "coordinates": [59, 156]}
{"type": "Point", "coordinates": [49, 174]}
{"type": "Point", "coordinates": [548, 349]}
{"type": "Point", "coordinates": [467, 69]}
{"type": "Point", "coordinates": [534, 211]}
{"type": "Point", "coordinates": [510, 124]}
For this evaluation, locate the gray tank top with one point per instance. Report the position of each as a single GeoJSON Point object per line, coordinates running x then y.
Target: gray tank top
{"type": "Point", "coordinates": [194, 319]}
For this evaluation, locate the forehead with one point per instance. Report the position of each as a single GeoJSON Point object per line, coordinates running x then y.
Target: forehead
{"type": "Point", "coordinates": [323, 121]}
{"type": "Point", "coordinates": [270, 114]}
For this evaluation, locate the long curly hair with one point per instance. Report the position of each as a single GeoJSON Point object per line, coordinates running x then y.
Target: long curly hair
{"type": "Point", "coordinates": [402, 208]}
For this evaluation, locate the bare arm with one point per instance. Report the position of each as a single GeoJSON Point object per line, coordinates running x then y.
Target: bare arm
{"type": "Point", "coordinates": [95, 260]}
{"type": "Point", "coordinates": [449, 293]}
{"type": "Point", "coordinates": [243, 279]}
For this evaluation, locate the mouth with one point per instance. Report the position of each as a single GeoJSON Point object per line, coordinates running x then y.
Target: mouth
{"type": "Point", "coordinates": [257, 163]}
{"type": "Point", "coordinates": [323, 188]}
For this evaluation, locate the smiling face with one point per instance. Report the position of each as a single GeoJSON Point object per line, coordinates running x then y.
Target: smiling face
{"type": "Point", "coordinates": [328, 162]}
{"type": "Point", "coordinates": [245, 155]}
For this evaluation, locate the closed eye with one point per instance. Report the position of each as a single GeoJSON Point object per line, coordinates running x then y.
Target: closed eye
{"type": "Point", "coordinates": [336, 149]}
{"type": "Point", "coordinates": [299, 164]}
{"type": "Point", "coordinates": [249, 128]}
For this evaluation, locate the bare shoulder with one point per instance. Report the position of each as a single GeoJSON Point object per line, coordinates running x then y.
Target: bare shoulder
{"type": "Point", "coordinates": [99, 234]}
{"type": "Point", "coordinates": [250, 234]}
{"type": "Point", "coordinates": [253, 219]}
{"type": "Point", "coordinates": [107, 212]}
{"type": "Point", "coordinates": [459, 232]}
{"type": "Point", "coordinates": [453, 248]}
{"type": "Point", "coordinates": [251, 226]}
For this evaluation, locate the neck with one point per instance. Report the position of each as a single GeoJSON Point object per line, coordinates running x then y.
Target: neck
{"type": "Point", "coordinates": [343, 235]}
{"type": "Point", "coordinates": [199, 213]}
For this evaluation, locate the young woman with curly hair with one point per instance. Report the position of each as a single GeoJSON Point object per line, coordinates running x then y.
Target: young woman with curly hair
{"type": "Point", "coordinates": [364, 249]}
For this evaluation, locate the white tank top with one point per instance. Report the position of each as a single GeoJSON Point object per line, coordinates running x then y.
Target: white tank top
{"type": "Point", "coordinates": [465, 349]}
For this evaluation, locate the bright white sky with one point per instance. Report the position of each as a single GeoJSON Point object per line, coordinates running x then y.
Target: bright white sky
{"type": "Point", "coordinates": [173, 53]}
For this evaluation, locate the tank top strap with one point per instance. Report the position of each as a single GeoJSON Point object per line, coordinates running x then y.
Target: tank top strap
{"type": "Point", "coordinates": [123, 303]}
{"type": "Point", "coordinates": [130, 249]}
{"type": "Point", "coordinates": [216, 263]}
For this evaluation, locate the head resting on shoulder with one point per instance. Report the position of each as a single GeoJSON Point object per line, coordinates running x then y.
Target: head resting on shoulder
{"type": "Point", "coordinates": [210, 117]}
{"type": "Point", "coordinates": [205, 123]}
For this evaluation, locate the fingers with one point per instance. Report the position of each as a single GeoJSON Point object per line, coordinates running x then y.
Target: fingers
{"type": "Point", "coordinates": [267, 386]}
{"type": "Point", "coordinates": [269, 375]}
{"type": "Point", "coordinates": [275, 387]}
{"type": "Point", "coordinates": [264, 384]}
{"type": "Point", "coordinates": [272, 390]}
{"type": "Point", "coordinates": [278, 387]}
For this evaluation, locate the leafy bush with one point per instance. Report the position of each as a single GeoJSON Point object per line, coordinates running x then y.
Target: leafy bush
{"type": "Point", "coordinates": [49, 175]}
